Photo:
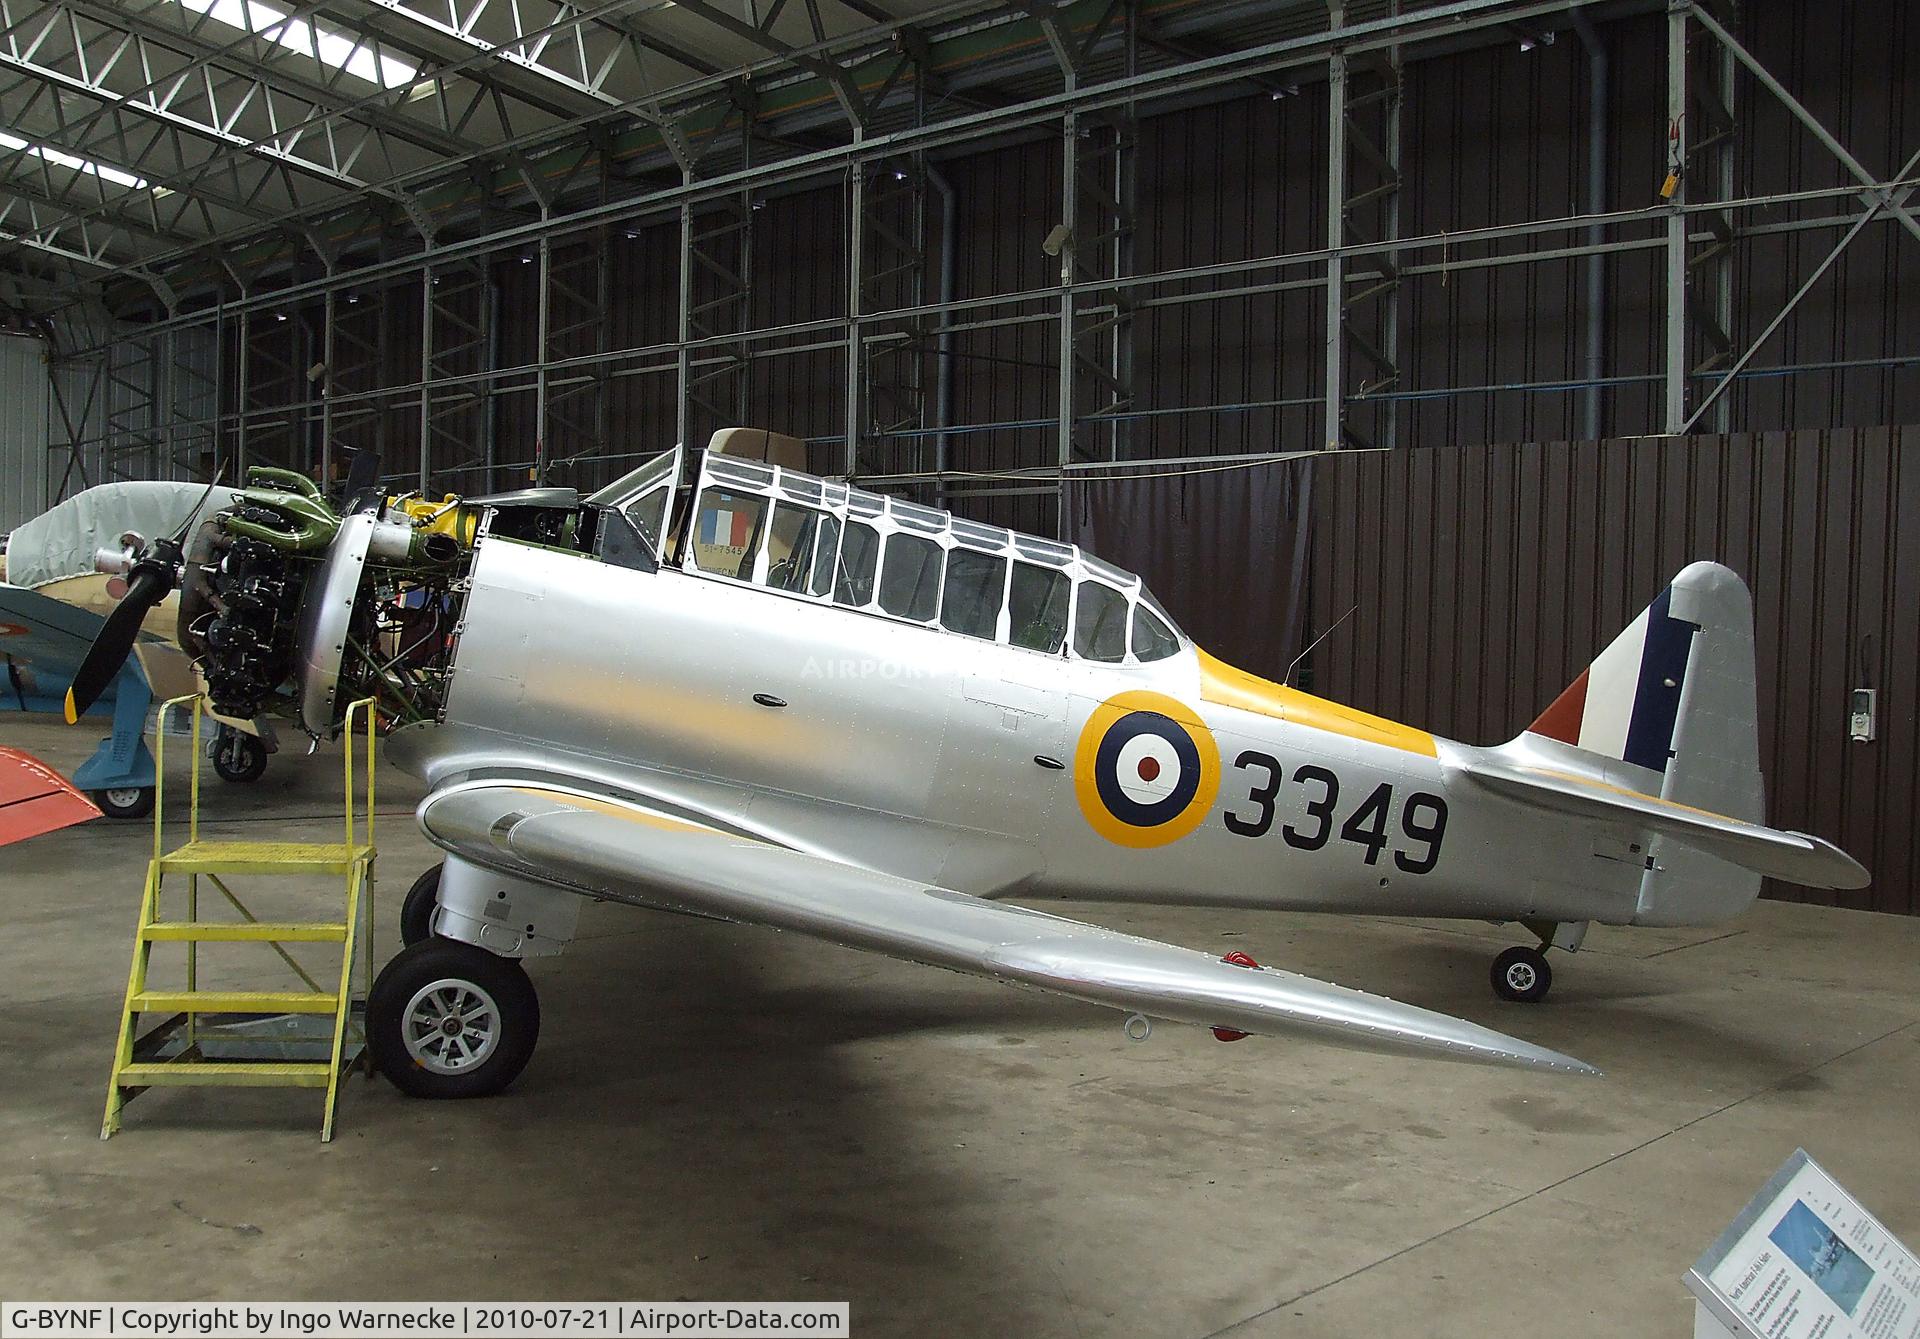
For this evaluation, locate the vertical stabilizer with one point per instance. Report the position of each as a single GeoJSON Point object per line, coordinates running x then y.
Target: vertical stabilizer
{"type": "Point", "coordinates": [1670, 709]}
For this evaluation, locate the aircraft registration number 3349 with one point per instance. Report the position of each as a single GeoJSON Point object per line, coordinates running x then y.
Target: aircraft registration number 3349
{"type": "Point", "coordinates": [1422, 815]}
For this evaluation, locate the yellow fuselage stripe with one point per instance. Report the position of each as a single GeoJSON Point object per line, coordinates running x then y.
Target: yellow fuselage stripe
{"type": "Point", "coordinates": [1225, 686]}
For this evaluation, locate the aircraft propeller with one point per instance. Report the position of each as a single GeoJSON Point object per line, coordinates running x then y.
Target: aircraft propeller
{"type": "Point", "coordinates": [155, 571]}
{"type": "Point", "coordinates": [363, 482]}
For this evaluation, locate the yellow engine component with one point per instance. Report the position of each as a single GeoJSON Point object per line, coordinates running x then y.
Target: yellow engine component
{"type": "Point", "coordinates": [448, 516]}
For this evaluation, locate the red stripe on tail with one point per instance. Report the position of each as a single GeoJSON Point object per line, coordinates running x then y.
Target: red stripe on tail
{"type": "Point", "coordinates": [1561, 721]}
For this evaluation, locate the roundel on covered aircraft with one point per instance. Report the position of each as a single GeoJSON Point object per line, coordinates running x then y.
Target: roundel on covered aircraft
{"type": "Point", "coordinates": [1146, 770]}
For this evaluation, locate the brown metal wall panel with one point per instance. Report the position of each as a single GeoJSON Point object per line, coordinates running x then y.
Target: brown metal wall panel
{"type": "Point", "coordinates": [1487, 577]}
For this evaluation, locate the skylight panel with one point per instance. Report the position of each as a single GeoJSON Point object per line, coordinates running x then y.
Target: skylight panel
{"type": "Point", "coordinates": [61, 157]}
{"type": "Point", "coordinates": [329, 46]}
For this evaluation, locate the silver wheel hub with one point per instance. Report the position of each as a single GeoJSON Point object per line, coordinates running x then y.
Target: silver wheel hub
{"type": "Point", "coordinates": [1521, 976]}
{"type": "Point", "coordinates": [123, 797]}
{"type": "Point", "coordinates": [451, 1026]}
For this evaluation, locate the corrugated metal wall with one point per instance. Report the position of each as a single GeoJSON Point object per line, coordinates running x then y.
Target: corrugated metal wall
{"type": "Point", "coordinates": [1483, 579]}
{"type": "Point", "coordinates": [1491, 136]}
{"type": "Point", "coordinates": [23, 429]}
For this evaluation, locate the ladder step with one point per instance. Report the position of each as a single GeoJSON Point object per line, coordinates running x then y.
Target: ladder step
{"type": "Point", "coordinates": [246, 932]}
{"type": "Point", "coordinates": [234, 1002]}
{"type": "Point", "coordinates": [200, 857]}
{"type": "Point", "coordinates": [233, 1073]}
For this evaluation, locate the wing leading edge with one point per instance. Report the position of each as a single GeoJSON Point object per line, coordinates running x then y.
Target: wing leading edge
{"type": "Point", "coordinates": [634, 854]}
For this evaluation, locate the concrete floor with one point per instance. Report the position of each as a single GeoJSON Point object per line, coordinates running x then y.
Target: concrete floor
{"type": "Point", "coordinates": [727, 1113]}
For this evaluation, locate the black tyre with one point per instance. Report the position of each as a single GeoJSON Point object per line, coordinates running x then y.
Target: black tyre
{"type": "Point", "coordinates": [1522, 975]}
{"type": "Point", "coordinates": [416, 911]}
{"type": "Point", "coordinates": [124, 801]}
{"type": "Point", "coordinates": [446, 1019]}
{"type": "Point", "coordinates": [239, 757]}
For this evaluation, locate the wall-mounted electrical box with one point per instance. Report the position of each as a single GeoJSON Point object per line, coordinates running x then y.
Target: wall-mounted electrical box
{"type": "Point", "coordinates": [1861, 715]}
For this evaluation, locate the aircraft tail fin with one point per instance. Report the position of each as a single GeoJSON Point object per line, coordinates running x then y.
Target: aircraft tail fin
{"type": "Point", "coordinates": [1669, 707]}
{"type": "Point", "coordinates": [1661, 732]}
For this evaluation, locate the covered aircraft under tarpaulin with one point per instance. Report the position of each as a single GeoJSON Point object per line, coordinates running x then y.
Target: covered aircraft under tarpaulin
{"type": "Point", "coordinates": [64, 579]}
{"type": "Point", "coordinates": [728, 688]}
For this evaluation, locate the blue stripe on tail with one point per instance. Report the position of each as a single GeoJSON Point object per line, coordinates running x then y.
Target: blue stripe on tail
{"type": "Point", "coordinates": [1656, 698]}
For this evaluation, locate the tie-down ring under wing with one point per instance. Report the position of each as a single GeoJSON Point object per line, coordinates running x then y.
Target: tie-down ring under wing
{"type": "Point", "coordinates": [629, 853]}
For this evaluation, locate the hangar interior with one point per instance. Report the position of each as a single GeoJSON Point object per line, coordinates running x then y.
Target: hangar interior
{"type": "Point", "coordinates": [1404, 348]}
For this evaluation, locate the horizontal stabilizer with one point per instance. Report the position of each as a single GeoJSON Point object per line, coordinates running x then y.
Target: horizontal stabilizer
{"type": "Point", "coordinates": [1793, 856]}
{"type": "Point", "coordinates": [630, 853]}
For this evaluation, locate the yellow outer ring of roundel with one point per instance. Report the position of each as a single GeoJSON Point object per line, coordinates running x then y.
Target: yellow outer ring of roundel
{"type": "Point", "coordinates": [1104, 717]}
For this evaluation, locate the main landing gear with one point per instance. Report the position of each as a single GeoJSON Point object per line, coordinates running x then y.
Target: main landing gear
{"type": "Point", "coordinates": [446, 1019]}
{"type": "Point", "coordinates": [416, 909]}
{"type": "Point", "coordinates": [123, 801]}
{"type": "Point", "coordinates": [238, 756]}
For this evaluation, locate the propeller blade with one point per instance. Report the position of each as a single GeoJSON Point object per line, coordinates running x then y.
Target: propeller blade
{"type": "Point", "coordinates": [115, 640]}
{"type": "Point", "coordinates": [180, 535]}
{"type": "Point", "coordinates": [363, 477]}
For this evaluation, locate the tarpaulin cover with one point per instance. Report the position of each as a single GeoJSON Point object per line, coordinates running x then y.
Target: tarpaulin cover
{"type": "Point", "coordinates": [60, 542]}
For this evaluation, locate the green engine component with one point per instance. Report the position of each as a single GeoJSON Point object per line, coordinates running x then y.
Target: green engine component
{"type": "Point", "coordinates": [304, 522]}
{"type": "Point", "coordinates": [268, 478]}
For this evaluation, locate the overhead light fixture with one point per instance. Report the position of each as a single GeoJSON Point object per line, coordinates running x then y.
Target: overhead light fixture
{"type": "Point", "coordinates": [633, 234]}
{"type": "Point", "coordinates": [62, 158]}
{"type": "Point", "coordinates": [279, 316]}
{"type": "Point", "coordinates": [330, 46]}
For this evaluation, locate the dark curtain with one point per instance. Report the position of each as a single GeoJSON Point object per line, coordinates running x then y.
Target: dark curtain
{"type": "Point", "coordinates": [1225, 551]}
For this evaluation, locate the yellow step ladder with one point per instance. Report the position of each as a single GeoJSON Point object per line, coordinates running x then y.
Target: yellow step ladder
{"type": "Point", "coordinates": [247, 1038]}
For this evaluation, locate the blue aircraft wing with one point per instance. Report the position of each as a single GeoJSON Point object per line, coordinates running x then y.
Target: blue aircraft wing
{"type": "Point", "coordinates": [42, 642]}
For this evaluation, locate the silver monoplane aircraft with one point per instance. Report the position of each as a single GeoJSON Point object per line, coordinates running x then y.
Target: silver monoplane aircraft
{"type": "Point", "coordinates": [731, 689]}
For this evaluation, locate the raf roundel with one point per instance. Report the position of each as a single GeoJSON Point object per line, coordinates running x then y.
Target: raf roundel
{"type": "Point", "coordinates": [1146, 770]}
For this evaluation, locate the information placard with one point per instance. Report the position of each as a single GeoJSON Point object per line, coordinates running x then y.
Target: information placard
{"type": "Point", "coordinates": [1805, 1261]}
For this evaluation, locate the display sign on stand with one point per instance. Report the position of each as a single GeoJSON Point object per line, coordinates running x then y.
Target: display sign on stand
{"type": "Point", "coordinates": [1805, 1261]}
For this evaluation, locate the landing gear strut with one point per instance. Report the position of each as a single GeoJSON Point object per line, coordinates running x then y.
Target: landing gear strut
{"type": "Point", "coordinates": [1522, 975]}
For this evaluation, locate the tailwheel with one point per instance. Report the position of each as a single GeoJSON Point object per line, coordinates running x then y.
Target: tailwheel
{"type": "Point", "coordinates": [1522, 975]}
{"type": "Point", "coordinates": [446, 1019]}
{"type": "Point", "coordinates": [417, 908]}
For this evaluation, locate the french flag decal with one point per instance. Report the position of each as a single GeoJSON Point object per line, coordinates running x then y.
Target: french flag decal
{"type": "Point", "coordinates": [1624, 705]}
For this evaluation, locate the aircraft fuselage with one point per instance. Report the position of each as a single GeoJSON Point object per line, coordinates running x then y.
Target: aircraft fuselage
{"type": "Point", "coordinates": [982, 766]}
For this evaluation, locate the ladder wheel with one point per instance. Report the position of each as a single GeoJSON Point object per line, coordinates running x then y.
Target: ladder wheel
{"type": "Point", "coordinates": [446, 1019]}
{"type": "Point", "coordinates": [239, 757]}
{"type": "Point", "coordinates": [416, 911]}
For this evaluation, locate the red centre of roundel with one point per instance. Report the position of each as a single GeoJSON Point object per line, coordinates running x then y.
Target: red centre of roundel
{"type": "Point", "coordinates": [1149, 768]}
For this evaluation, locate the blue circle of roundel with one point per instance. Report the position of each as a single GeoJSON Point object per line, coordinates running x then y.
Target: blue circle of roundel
{"type": "Point", "coordinates": [1106, 769]}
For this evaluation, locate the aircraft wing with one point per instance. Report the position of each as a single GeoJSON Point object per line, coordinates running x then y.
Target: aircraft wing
{"type": "Point", "coordinates": [635, 854]}
{"type": "Point", "coordinates": [1794, 856]}
{"type": "Point", "coordinates": [42, 642]}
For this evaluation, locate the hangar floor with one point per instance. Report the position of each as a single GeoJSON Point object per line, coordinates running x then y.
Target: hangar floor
{"type": "Point", "coordinates": [725, 1113]}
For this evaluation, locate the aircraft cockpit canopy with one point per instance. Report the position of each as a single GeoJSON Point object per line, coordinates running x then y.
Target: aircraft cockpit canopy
{"type": "Point", "coordinates": [822, 540]}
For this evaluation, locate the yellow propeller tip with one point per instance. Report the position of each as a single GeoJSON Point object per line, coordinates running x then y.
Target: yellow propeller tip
{"type": "Point", "coordinates": [73, 717]}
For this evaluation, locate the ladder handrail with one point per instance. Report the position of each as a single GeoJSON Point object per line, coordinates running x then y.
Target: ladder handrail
{"type": "Point", "coordinates": [365, 704]}
{"type": "Point", "coordinates": [160, 770]}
